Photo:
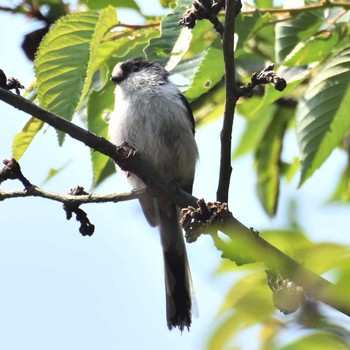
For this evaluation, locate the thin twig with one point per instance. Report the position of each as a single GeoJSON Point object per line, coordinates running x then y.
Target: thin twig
{"type": "Point", "coordinates": [230, 103]}
{"type": "Point", "coordinates": [35, 191]}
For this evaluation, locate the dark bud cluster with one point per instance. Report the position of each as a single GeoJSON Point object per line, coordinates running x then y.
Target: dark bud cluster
{"type": "Point", "coordinates": [10, 83]}
{"type": "Point", "coordinates": [203, 9]}
{"type": "Point", "coordinates": [196, 221]}
{"type": "Point", "coordinates": [266, 76]}
{"type": "Point", "coordinates": [12, 171]}
{"type": "Point", "coordinates": [86, 227]}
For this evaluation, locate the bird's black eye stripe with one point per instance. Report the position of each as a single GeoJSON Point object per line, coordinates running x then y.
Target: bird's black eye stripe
{"type": "Point", "coordinates": [134, 68]}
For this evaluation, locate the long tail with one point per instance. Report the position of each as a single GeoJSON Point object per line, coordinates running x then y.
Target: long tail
{"type": "Point", "coordinates": [178, 284]}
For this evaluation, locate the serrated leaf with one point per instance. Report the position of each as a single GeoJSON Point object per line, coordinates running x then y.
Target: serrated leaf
{"type": "Point", "coordinates": [323, 113]}
{"type": "Point", "coordinates": [292, 32]}
{"type": "Point", "coordinates": [23, 139]}
{"type": "Point", "coordinates": [66, 60]}
{"type": "Point", "coordinates": [268, 161]}
{"type": "Point", "coordinates": [209, 73]}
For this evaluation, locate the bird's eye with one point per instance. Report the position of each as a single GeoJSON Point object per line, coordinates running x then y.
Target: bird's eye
{"type": "Point", "coordinates": [134, 68]}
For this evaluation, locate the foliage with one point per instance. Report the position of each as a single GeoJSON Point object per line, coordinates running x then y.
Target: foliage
{"type": "Point", "coordinates": [312, 49]}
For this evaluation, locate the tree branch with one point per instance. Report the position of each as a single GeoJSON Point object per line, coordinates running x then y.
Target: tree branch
{"type": "Point", "coordinates": [250, 247]}
{"type": "Point", "coordinates": [34, 191]}
{"type": "Point", "coordinates": [296, 10]}
{"type": "Point", "coordinates": [314, 285]}
{"type": "Point", "coordinates": [230, 103]}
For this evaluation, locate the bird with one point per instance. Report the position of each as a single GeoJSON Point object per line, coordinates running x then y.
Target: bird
{"type": "Point", "coordinates": [153, 116]}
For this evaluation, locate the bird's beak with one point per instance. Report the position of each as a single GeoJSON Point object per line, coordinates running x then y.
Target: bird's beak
{"type": "Point", "coordinates": [117, 74]}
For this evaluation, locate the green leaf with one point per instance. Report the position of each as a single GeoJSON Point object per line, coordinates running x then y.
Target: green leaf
{"type": "Point", "coordinates": [319, 340]}
{"type": "Point", "coordinates": [160, 49]}
{"type": "Point", "coordinates": [209, 106]}
{"type": "Point", "coordinates": [315, 49]}
{"type": "Point", "coordinates": [264, 3]}
{"type": "Point", "coordinates": [247, 26]}
{"type": "Point", "coordinates": [53, 172]}
{"type": "Point", "coordinates": [255, 129]}
{"type": "Point", "coordinates": [342, 191]}
{"type": "Point", "coordinates": [248, 302]}
{"type": "Point", "coordinates": [323, 113]}
{"type": "Point", "coordinates": [292, 242]}
{"type": "Point", "coordinates": [209, 73]}
{"type": "Point", "coordinates": [121, 44]}
{"type": "Point", "coordinates": [323, 257]}
{"type": "Point", "coordinates": [268, 161]}
{"type": "Point", "coordinates": [100, 4]}
{"type": "Point", "coordinates": [99, 104]}
{"type": "Point", "coordinates": [292, 32]}
{"type": "Point", "coordinates": [23, 139]}
{"type": "Point", "coordinates": [66, 60]}
{"type": "Point", "coordinates": [290, 169]}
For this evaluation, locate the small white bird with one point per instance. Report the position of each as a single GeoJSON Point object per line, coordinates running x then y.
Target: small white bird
{"type": "Point", "coordinates": [154, 117]}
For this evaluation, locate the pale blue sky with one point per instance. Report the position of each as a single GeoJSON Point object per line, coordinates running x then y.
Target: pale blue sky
{"type": "Point", "coordinates": [60, 290]}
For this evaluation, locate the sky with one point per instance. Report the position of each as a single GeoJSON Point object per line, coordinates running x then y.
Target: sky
{"type": "Point", "coordinates": [60, 290]}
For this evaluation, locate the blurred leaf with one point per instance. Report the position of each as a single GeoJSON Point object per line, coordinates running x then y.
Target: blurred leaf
{"type": "Point", "coordinates": [100, 4]}
{"type": "Point", "coordinates": [268, 161]}
{"type": "Point", "coordinates": [99, 104]}
{"type": "Point", "coordinates": [289, 170]}
{"type": "Point", "coordinates": [322, 114]}
{"type": "Point", "coordinates": [53, 172]}
{"type": "Point", "coordinates": [292, 32]}
{"type": "Point", "coordinates": [254, 129]}
{"type": "Point", "coordinates": [246, 26]}
{"type": "Point", "coordinates": [291, 242]}
{"type": "Point", "coordinates": [23, 139]}
{"type": "Point", "coordinates": [248, 302]}
{"type": "Point", "coordinates": [250, 289]}
{"type": "Point", "coordinates": [66, 60]}
{"type": "Point", "coordinates": [342, 191]}
{"type": "Point", "coordinates": [264, 3]}
{"type": "Point", "coordinates": [319, 340]}
{"type": "Point", "coordinates": [322, 257]}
